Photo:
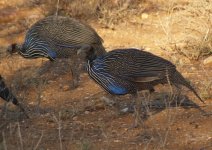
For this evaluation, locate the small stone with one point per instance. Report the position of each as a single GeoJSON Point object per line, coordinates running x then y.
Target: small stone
{"type": "Point", "coordinates": [75, 118]}
{"type": "Point", "coordinates": [178, 129]}
{"type": "Point", "coordinates": [31, 103]}
{"type": "Point", "coordinates": [193, 68]}
{"type": "Point", "coordinates": [208, 61]}
{"type": "Point", "coordinates": [100, 119]}
{"type": "Point", "coordinates": [117, 141]}
{"type": "Point", "coordinates": [124, 110]}
{"type": "Point", "coordinates": [144, 16]}
{"type": "Point", "coordinates": [147, 48]}
{"type": "Point", "coordinates": [65, 88]}
{"type": "Point", "coordinates": [196, 126]}
{"type": "Point", "coordinates": [181, 62]}
{"type": "Point", "coordinates": [86, 97]}
{"type": "Point", "coordinates": [87, 112]}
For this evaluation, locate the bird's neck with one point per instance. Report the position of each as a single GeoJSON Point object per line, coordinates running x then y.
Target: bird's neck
{"type": "Point", "coordinates": [91, 57]}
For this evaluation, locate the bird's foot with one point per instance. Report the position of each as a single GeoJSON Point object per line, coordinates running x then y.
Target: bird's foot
{"type": "Point", "coordinates": [74, 85]}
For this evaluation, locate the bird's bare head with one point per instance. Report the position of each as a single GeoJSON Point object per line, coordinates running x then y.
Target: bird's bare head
{"type": "Point", "coordinates": [13, 48]}
{"type": "Point", "coordinates": [86, 52]}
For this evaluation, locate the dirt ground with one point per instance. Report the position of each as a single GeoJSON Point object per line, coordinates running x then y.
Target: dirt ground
{"type": "Point", "coordinates": [64, 118]}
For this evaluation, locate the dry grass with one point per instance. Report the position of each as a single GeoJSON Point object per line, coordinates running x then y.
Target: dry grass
{"type": "Point", "coordinates": [108, 12]}
{"type": "Point", "coordinates": [195, 21]}
{"type": "Point", "coordinates": [187, 29]}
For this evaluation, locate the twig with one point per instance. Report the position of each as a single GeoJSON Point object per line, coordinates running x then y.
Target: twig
{"type": "Point", "coordinates": [38, 141]}
{"type": "Point", "coordinates": [58, 1]}
{"type": "Point", "coordinates": [168, 80]}
{"type": "Point", "coordinates": [20, 137]}
{"type": "Point", "coordinates": [58, 121]}
{"type": "Point", "coordinates": [4, 141]}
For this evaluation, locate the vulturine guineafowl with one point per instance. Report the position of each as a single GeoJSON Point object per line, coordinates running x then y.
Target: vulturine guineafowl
{"type": "Point", "coordinates": [127, 71]}
{"type": "Point", "coordinates": [7, 95]}
{"type": "Point", "coordinates": [47, 38]}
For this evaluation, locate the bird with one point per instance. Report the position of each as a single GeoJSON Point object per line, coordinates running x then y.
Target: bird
{"type": "Point", "coordinates": [130, 70]}
{"type": "Point", "coordinates": [7, 95]}
{"type": "Point", "coordinates": [51, 36]}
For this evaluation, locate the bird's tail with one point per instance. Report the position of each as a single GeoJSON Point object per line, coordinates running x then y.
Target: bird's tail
{"type": "Point", "coordinates": [177, 78]}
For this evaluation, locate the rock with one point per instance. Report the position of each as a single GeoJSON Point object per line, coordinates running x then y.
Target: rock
{"type": "Point", "coordinates": [124, 110]}
{"type": "Point", "coordinates": [208, 61]}
{"type": "Point", "coordinates": [75, 118]}
{"type": "Point", "coordinates": [66, 88]}
{"type": "Point", "coordinates": [87, 112]}
{"type": "Point", "coordinates": [144, 16]}
{"type": "Point", "coordinates": [193, 68]}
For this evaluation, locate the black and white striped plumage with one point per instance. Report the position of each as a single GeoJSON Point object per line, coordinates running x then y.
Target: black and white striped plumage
{"type": "Point", "coordinates": [54, 36]}
{"type": "Point", "coordinates": [51, 36]}
{"type": "Point", "coordinates": [126, 71]}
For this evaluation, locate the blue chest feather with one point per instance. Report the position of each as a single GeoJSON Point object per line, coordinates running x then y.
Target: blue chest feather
{"type": "Point", "coordinates": [105, 78]}
{"type": "Point", "coordinates": [98, 63]}
{"type": "Point", "coordinates": [117, 90]}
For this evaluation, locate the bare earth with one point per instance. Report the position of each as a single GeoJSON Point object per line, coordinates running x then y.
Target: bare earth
{"type": "Point", "coordinates": [63, 118]}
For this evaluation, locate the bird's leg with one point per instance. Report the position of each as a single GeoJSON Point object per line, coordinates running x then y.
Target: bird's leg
{"type": "Point", "coordinates": [75, 77]}
{"type": "Point", "coordinates": [146, 103]}
{"type": "Point", "coordinates": [137, 112]}
{"type": "Point", "coordinates": [75, 72]}
{"type": "Point", "coordinates": [46, 67]}
{"type": "Point", "coordinates": [177, 94]}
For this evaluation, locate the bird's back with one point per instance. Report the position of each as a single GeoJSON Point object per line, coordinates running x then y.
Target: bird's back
{"type": "Point", "coordinates": [133, 64]}
{"type": "Point", "coordinates": [58, 30]}
{"type": "Point", "coordinates": [128, 70]}
{"type": "Point", "coordinates": [65, 30]}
